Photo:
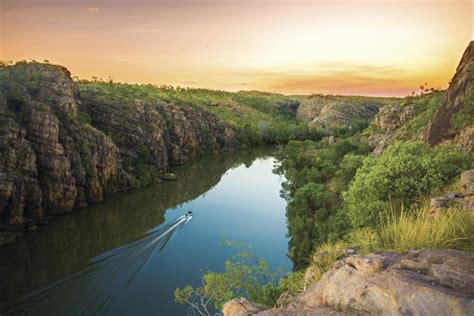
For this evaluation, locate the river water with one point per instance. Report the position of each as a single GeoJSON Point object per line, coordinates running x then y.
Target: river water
{"type": "Point", "coordinates": [127, 254]}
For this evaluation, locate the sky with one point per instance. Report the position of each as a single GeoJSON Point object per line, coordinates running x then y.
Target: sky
{"type": "Point", "coordinates": [371, 47]}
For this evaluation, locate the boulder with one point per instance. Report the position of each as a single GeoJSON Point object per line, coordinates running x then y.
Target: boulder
{"type": "Point", "coordinates": [241, 307]}
{"type": "Point", "coordinates": [423, 282]}
{"type": "Point", "coordinates": [467, 182]}
{"type": "Point", "coordinates": [168, 176]}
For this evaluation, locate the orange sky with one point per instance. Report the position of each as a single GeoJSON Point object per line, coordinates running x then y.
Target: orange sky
{"type": "Point", "coordinates": [378, 47]}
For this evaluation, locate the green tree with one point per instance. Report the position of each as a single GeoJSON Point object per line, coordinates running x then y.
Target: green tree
{"type": "Point", "coordinates": [308, 211]}
{"type": "Point", "coordinates": [245, 275]}
{"type": "Point", "coordinates": [404, 172]}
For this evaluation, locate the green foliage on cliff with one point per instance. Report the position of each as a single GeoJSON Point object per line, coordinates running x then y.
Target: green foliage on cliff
{"type": "Point", "coordinates": [404, 172]}
{"type": "Point", "coordinates": [410, 128]}
{"type": "Point", "coordinates": [333, 189]}
{"type": "Point", "coordinates": [316, 174]}
{"type": "Point", "coordinates": [236, 109]}
{"type": "Point", "coordinates": [465, 117]}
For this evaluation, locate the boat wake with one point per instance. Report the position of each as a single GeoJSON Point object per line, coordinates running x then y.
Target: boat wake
{"type": "Point", "coordinates": [93, 289]}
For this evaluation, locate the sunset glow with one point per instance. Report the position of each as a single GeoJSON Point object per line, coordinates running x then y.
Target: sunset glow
{"type": "Point", "coordinates": [294, 47]}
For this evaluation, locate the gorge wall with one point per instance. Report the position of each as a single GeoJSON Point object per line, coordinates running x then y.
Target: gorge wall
{"type": "Point", "coordinates": [328, 112]}
{"type": "Point", "coordinates": [459, 97]}
{"type": "Point", "coordinates": [61, 148]}
{"type": "Point", "coordinates": [437, 117]}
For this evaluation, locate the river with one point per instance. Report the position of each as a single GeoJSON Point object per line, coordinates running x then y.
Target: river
{"type": "Point", "coordinates": [127, 254]}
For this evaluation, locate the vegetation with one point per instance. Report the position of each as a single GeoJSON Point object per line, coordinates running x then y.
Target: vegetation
{"type": "Point", "coordinates": [235, 109]}
{"type": "Point", "coordinates": [316, 174]}
{"type": "Point", "coordinates": [340, 197]}
{"type": "Point", "coordinates": [404, 173]}
{"type": "Point", "coordinates": [244, 275]}
{"type": "Point", "coordinates": [403, 230]}
{"type": "Point", "coordinates": [424, 106]}
{"type": "Point", "coordinates": [465, 117]}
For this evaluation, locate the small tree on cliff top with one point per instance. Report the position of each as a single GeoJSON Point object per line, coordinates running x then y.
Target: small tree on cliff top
{"type": "Point", "coordinates": [244, 275]}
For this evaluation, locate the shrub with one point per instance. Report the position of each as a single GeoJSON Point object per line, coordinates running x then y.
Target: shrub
{"type": "Point", "coordinates": [403, 173]}
{"type": "Point", "coordinates": [245, 275]}
{"type": "Point", "coordinates": [347, 170]}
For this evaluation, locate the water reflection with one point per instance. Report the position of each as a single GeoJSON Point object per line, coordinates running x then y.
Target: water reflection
{"type": "Point", "coordinates": [67, 244]}
{"type": "Point", "coordinates": [103, 279]}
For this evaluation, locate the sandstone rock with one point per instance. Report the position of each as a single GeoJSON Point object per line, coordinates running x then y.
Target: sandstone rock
{"type": "Point", "coordinates": [386, 122]}
{"type": "Point", "coordinates": [168, 176]}
{"type": "Point", "coordinates": [424, 282]}
{"type": "Point", "coordinates": [332, 111]}
{"type": "Point", "coordinates": [393, 116]}
{"type": "Point", "coordinates": [386, 284]}
{"type": "Point", "coordinates": [467, 182]}
{"type": "Point", "coordinates": [438, 204]}
{"type": "Point", "coordinates": [241, 307]}
{"type": "Point", "coordinates": [461, 85]}
{"type": "Point", "coordinates": [318, 311]}
{"type": "Point", "coordinates": [53, 160]}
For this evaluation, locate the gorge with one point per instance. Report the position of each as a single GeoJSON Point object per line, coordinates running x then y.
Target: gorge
{"type": "Point", "coordinates": [339, 180]}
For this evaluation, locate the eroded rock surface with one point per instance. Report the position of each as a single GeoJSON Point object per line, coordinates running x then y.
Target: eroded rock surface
{"type": "Point", "coordinates": [61, 148]}
{"type": "Point", "coordinates": [425, 282]}
{"type": "Point", "coordinates": [333, 112]}
{"type": "Point", "coordinates": [461, 86]}
{"type": "Point", "coordinates": [385, 124]}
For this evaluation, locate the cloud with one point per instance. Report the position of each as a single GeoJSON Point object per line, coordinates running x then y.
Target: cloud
{"type": "Point", "coordinates": [93, 9]}
{"type": "Point", "coordinates": [338, 78]}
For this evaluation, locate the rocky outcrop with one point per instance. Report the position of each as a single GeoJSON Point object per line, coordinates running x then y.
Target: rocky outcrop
{"type": "Point", "coordinates": [426, 282]}
{"type": "Point", "coordinates": [436, 117]}
{"type": "Point", "coordinates": [59, 150]}
{"type": "Point", "coordinates": [385, 124]}
{"type": "Point", "coordinates": [465, 199]}
{"type": "Point", "coordinates": [330, 112]}
{"type": "Point", "coordinates": [241, 307]}
{"type": "Point", "coordinates": [461, 86]}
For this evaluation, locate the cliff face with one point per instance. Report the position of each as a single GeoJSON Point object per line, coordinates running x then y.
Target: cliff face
{"type": "Point", "coordinates": [460, 89]}
{"type": "Point", "coordinates": [437, 117]}
{"type": "Point", "coordinates": [426, 282]}
{"type": "Point", "coordinates": [334, 111]}
{"type": "Point", "coordinates": [58, 151]}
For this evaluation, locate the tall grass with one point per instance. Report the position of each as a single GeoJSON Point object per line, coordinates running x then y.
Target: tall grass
{"type": "Point", "coordinates": [405, 230]}
{"type": "Point", "coordinates": [324, 257]}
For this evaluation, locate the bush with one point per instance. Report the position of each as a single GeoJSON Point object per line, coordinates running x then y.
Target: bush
{"type": "Point", "coordinates": [403, 173]}
{"type": "Point", "coordinates": [245, 275]}
{"type": "Point", "coordinates": [347, 170]}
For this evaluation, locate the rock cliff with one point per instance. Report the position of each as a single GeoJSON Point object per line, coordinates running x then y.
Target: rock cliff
{"type": "Point", "coordinates": [436, 117]}
{"type": "Point", "coordinates": [62, 148]}
{"type": "Point", "coordinates": [426, 282]}
{"type": "Point", "coordinates": [329, 112]}
{"type": "Point", "coordinates": [459, 93]}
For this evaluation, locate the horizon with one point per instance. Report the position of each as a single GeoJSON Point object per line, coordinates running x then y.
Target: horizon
{"type": "Point", "coordinates": [369, 48]}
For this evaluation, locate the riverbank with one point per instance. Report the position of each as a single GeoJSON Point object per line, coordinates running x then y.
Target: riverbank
{"type": "Point", "coordinates": [231, 194]}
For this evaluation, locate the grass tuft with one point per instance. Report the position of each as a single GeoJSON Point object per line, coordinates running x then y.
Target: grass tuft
{"type": "Point", "coordinates": [406, 230]}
